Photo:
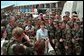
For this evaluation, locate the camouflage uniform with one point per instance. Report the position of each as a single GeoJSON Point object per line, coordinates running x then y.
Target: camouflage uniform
{"type": "Point", "coordinates": [10, 45]}
{"type": "Point", "coordinates": [50, 31]}
{"type": "Point", "coordinates": [9, 30]}
{"type": "Point", "coordinates": [57, 32]}
{"type": "Point", "coordinates": [68, 34]}
{"type": "Point", "coordinates": [78, 34]}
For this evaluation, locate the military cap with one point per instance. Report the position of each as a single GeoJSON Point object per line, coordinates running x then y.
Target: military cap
{"type": "Point", "coordinates": [67, 12]}
{"type": "Point", "coordinates": [78, 22]}
{"type": "Point", "coordinates": [74, 12]}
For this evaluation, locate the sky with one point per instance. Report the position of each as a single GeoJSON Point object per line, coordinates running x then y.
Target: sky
{"type": "Point", "coordinates": [18, 3]}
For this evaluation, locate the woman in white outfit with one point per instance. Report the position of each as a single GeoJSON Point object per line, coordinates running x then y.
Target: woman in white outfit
{"type": "Point", "coordinates": [42, 34]}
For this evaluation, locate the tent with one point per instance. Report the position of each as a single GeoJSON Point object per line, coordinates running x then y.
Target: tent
{"type": "Point", "coordinates": [22, 3]}
{"type": "Point", "coordinates": [73, 6]}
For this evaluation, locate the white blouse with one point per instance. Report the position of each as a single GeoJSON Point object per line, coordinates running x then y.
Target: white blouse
{"type": "Point", "coordinates": [41, 34]}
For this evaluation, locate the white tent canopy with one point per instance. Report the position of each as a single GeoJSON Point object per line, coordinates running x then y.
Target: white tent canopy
{"type": "Point", "coordinates": [68, 6]}
{"type": "Point", "coordinates": [73, 6]}
{"type": "Point", "coordinates": [5, 4]}
{"type": "Point", "coordinates": [21, 3]}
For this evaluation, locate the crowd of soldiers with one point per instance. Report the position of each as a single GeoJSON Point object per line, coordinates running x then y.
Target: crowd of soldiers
{"type": "Point", "coordinates": [65, 36]}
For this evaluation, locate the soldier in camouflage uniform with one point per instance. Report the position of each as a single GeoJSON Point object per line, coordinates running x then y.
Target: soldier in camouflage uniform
{"type": "Point", "coordinates": [66, 18]}
{"type": "Point", "coordinates": [16, 40]}
{"type": "Point", "coordinates": [67, 42]}
{"type": "Point", "coordinates": [74, 17]}
{"type": "Point", "coordinates": [10, 26]}
{"type": "Point", "coordinates": [63, 30]}
{"type": "Point", "coordinates": [58, 36]}
{"type": "Point", "coordinates": [51, 33]}
{"type": "Point", "coordinates": [68, 31]}
{"type": "Point", "coordinates": [57, 30]}
{"type": "Point", "coordinates": [63, 36]}
{"type": "Point", "coordinates": [77, 34]}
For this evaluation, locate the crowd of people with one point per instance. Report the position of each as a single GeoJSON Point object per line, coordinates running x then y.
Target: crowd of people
{"type": "Point", "coordinates": [25, 35]}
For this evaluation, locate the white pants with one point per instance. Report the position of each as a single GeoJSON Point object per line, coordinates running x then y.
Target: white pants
{"type": "Point", "coordinates": [48, 47]}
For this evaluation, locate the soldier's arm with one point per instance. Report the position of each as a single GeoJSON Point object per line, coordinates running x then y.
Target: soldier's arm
{"type": "Point", "coordinates": [26, 37]}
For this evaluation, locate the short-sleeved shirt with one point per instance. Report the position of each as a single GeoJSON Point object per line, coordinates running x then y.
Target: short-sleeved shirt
{"type": "Point", "coordinates": [40, 34]}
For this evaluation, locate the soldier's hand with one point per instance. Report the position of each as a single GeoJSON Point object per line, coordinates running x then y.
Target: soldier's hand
{"type": "Point", "coordinates": [26, 37]}
{"type": "Point", "coordinates": [61, 40]}
{"type": "Point", "coordinates": [66, 47]}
